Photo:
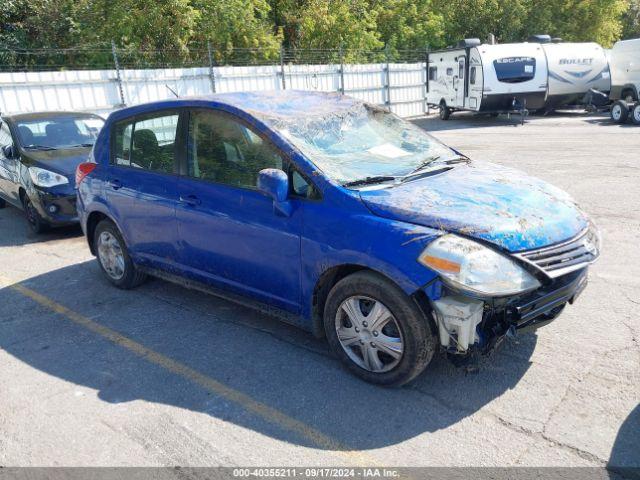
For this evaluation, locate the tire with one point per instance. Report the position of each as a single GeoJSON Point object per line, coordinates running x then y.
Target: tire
{"type": "Point", "coordinates": [445, 112]}
{"type": "Point", "coordinates": [34, 219]}
{"type": "Point", "coordinates": [629, 96]}
{"type": "Point", "coordinates": [405, 330]}
{"type": "Point", "coordinates": [635, 114]}
{"type": "Point", "coordinates": [3, 203]}
{"type": "Point", "coordinates": [619, 111]}
{"type": "Point", "coordinates": [113, 257]}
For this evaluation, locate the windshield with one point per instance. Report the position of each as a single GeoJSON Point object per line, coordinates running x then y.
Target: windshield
{"type": "Point", "coordinates": [515, 69]}
{"type": "Point", "coordinates": [63, 131]}
{"type": "Point", "coordinates": [363, 142]}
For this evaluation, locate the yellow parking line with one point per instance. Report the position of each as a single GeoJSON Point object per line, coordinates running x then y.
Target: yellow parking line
{"type": "Point", "coordinates": [266, 412]}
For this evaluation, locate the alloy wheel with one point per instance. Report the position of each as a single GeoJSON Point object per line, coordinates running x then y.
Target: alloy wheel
{"type": "Point", "coordinates": [111, 255]}
{"type": "Point", "coordinates": [369, 334]}
{"type": "Point", "coordinates": [616, 113]}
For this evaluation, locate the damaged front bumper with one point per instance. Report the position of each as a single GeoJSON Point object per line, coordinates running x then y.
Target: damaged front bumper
{"type": "Point", "coordinates": [465, 323]}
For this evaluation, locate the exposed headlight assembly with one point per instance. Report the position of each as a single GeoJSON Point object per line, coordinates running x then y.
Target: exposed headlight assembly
{"type": "Point", "coordinates": [470, 266]}
{"type": "Point", "coordinates": [45, 178]}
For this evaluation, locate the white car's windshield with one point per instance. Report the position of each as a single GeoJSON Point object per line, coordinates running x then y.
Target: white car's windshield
{"type": "Point", "coordinates": [364, 143]}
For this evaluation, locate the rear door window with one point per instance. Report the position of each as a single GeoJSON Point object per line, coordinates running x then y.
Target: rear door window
{"type": "Point", "coordinates": [148, 142]}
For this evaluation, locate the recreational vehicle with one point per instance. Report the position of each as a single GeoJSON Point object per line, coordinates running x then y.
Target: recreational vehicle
{"type": "Point", "coordinates": [487, 78]}
{"type": "Point", "coordinates": [625, 80]}
{"type": "Point", "coordinates": [625, 70]}
{"type": "Point", "coordinates": [574, 69]}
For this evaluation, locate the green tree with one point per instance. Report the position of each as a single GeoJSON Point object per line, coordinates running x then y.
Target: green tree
{"type": "Point", "coordinates": [409, 24]}
{"type": "Point", "coordinates": [578, 20]}
{"type": "Point", "coordinates": [329, 24]}
{"type": "Point", "coordinates": [631, 20]}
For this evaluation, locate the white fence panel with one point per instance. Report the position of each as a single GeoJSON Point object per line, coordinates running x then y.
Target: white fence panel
{"type": "Point", "coordinates": [400, 88]}
{"type": "Point", "coordinates": [90, 90]}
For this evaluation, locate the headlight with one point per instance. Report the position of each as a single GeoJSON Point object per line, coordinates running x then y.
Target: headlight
{"type": "Point", "coordinates": [474, 267]}
{"type": "Point", "coordinates": [45, 178]}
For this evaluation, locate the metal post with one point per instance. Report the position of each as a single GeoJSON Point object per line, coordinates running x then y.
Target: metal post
{"type": "Point", "coordinates": [284, 82]}
{"type": "Point", "coordinates": [212, 77]}
{"type": "Point", "coordinates": [118, 77]}
{"type": "Point", "coordinates": [341, 70]}
{"type": "Point", "coordinates": [426, 80]}
{"type": "Point", "coordinates": [387, 86]}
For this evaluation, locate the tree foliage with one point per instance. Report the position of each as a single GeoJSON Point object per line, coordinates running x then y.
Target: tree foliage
{"type": "Point", "coordinates": [179, 27]}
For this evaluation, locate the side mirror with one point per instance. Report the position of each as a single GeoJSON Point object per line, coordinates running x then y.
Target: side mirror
{"type": "Point", "coordinates": [9, 151]}
{"type": "Point", "coordinates": [275, 183]}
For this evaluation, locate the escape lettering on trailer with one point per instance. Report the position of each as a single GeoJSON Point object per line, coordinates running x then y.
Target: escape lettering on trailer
{"type": "Point", "coordinates": [515, 60]}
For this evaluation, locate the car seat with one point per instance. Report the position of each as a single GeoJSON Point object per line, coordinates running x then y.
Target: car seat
{"type": "Point", "coordinates": [26, 135]}
{"type": "Point", "coordinates": [145, 148]}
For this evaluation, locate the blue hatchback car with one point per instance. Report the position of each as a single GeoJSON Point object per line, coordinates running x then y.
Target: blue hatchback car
{"type": "Point", "coordinates": [336, 216]}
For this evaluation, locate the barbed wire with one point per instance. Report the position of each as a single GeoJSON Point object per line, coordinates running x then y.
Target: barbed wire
{"type": "Point", "coordinates": [103, 56]}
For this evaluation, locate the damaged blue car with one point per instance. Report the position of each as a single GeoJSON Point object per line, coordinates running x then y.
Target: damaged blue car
{"type": "Point", "coordinates": [336, 216]}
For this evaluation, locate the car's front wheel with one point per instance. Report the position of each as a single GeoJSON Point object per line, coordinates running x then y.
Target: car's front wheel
{"type": "Point", "coordinates": [376, 330]}
{"type": "Point", "coordinates": [114, 258]}
{"type": "Point", "coordinates": [36, 222]}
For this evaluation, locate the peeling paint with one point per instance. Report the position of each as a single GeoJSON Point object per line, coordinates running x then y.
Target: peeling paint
{"type": "Point", "coordinates": [493, 203]}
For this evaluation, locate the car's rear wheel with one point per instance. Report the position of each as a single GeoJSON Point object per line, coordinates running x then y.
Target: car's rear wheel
{"type": "Point", "coordinates": [619, 111]}
{"type": "Point", "coordinates": [375, 329]}
{"type": "Point", "coordinates": [114, 258]}
{"type": "Point", "coordinates": [635, 114]}
{"type": "Point", "coordinates": [35, 221]}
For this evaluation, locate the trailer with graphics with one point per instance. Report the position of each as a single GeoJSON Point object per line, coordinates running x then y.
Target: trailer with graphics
{"type": "Point", "coordinates": [573, 70]}
{"type": "Point", "coordinates": [483, 78]}
{"type": "Point", "coordinates": [624, 60]}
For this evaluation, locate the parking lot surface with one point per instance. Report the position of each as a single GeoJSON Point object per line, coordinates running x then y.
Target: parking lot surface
{"type": "Point", "coordinates": [161, 375]}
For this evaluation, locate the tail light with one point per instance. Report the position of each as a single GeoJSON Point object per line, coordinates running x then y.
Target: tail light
{"type": "Point", "coordinates": [83, 170]}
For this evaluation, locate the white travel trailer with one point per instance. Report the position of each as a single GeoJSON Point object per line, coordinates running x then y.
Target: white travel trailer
{"type": "Point", "coordinates": [624, 59]}
{"type": "Point", "coordinates": [487, 78]}
{"type": "Point", "coordinates": [625, 70]}
{"type": "Point", "coordinates": [574, 69]}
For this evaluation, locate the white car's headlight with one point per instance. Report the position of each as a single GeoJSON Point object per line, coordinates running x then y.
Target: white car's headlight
{"type": "Point", "coordinates": [472, 266]}
{"type": "Point", "coordinates": [45, 178]}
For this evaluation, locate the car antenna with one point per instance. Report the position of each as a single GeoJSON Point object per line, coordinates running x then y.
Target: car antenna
{"type": "Point", "coordinates": [172, 90]}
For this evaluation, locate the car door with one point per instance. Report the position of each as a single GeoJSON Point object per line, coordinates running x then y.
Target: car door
{"type": "Point", "coordinates": [230, 234]}
{"type": "Point", "coordinates": [8, 168]}
{"type": "Point", "coordinates": [141, 184]}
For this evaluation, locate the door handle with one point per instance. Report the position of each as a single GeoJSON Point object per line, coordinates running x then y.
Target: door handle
{"type": "Point", "coordinates": [115, 184]}
{"type": "Point", "coordinates": [190, 200]}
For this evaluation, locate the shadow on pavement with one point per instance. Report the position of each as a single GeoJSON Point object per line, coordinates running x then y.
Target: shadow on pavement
{"type": "Point", "coordinates": [625, 454]}
{"type": "Point", "coordinates": [15, 230]}
{"type": "Point", "coordinates": [280, 366]}
{"type": "Point", "coordinates": [459, 121]}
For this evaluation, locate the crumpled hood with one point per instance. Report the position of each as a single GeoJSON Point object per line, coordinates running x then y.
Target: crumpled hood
{"type": "Point", "coordinates": [500, 205]}
{"type": "Point", "coordinates": [62, 161]}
